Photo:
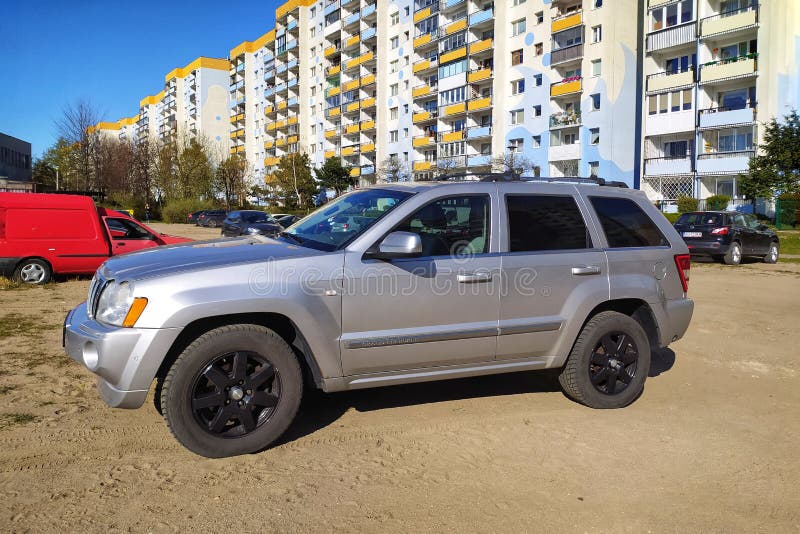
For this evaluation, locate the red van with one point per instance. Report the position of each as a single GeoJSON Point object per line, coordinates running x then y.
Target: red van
{"type": "Point", "coordinates": [42, 234]}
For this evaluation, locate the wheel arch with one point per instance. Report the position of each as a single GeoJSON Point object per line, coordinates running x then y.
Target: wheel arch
{"type": "Point", "coordinates": [637, 309]}
{"type": "Point", "coordinates": [26, 258]}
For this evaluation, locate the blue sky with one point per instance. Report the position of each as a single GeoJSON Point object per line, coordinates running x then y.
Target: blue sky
{"type": "Point", "coordinates": [112, 53]}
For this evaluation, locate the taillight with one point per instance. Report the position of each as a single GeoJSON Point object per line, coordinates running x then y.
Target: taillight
{"type": "Point", "coordinates": [683, 263]}
{"type": "Point", "coordinates": [720, 231]}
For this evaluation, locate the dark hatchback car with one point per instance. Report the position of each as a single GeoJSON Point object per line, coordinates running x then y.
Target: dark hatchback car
{"type": "Point", "coordinates": [286, 220]}
{"type": "Point", "coordinates": [250, 222]}
{"type": "Point", "coordinates": [192, 217]}
{"type": "Point", "coordinates": [211, 218]}
{"type": "Point", "coordinates": [727, 236]}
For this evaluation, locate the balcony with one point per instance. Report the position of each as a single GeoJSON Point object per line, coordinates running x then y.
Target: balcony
{"type": "Point", "coordinates": [477, 104]}
{"type": "Point", "coordinates": [368, 10]}
{"type": "Point", "coordinates": [271, 161]}
{"type": "Point", "coordinates": [367, 170]}
{"type": "Point", "coordinates": [351, 129]}
{"type": "Point", "coordinates": [566, 54]}
{"type": "Point", "coordinates": [331, 7]}
{"type": "Point", "coordinates": [425, 64]}
{"type": "Point", "coordinates": [332, 91]}
{"type": "Point", "coordinates": [723, 70]}
{"type": "Point", "coordinates": [479, 75]}
{"type": "Point", "coordinates": [662, 81]}
{"type": "Point", "coordinates": [423, 14]}
{"type": "Point", "coordinates": [367, 148]}
{"type": "Point", "coordinates": [367, 125]}
{"type": "Point", "coordinates": [729, 22]}
{"type": "Point", "coordinates": [479, 132]}
{"type": "Point", "coordinates": [454, 109]}
{"type": "Point", "coordinates": [481, 16]}
{"type": "Point", "coordinates": [352, 41]}
{"type": "Point", "coordinates": [673, 122]}
{"type": "Point", "coordinates": [333, 69]}
{"type": "Point", "coordinates": [456, 26]}
{"type": "Point", "coordinates": [367, 80]}
{"type": "Point", "coordinates": [423, 165]}
{"type": "Point", "coordinates": [716, 117]}
{"type": "Point", "coordinates": [453, 55]}
{"type": "Point", "coordinates": [349, 150]}
{"type": "Point", "coordinates": [369, 56]}
{"type": "Point", "coordinates": [481, 46]}
{"type": "Point", "coordinates": [352, 19]}
{"type": "Point", "coordinates": [566, 86]}
{"type": "Point", "coordinates": [423, 140]}
{"type": "Point", "coordinates": [481, 160]}
{"type": "Point", "coordinates": [724, 162]}
{"type": "Point", "coordinates": [668, 165]}
{"type": "Point", "coordinates": [368, 102]}
{"type": "Point", "coordinates": [566, 22]}
{"type": "Point", "coordinates": [674, 36]}
{"type": "Point", "coordinates": [423, 116]}
{"type": "Point", "coordinates": [331, 50]}
{"type": "Point", "coordinates": [451, 137]}
{"type": "Point", "coordinates": [422, 40]}
{"type": "Point", "coordinates": [565, 152]}
{"type": "Point", "coordinates": [355, 172]}
{"type": "Point", "coordinates": [368, 34]}
{"type": "Point", "coordinates": [351, 107]}
{"type": "Point", "coordinates": [330, 153]}
{"type": "Point", "coordinates": [565, 119]}
{"type": "Point", "coordinates": [422, 90]}
{"type": "Point", "coordinates": [332, 133]}
{"type": "Point", "coordinates": [352, 84]}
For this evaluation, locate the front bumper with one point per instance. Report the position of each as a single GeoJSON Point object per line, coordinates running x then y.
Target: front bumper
{"type": "Point", "coordinates": [125, 360]}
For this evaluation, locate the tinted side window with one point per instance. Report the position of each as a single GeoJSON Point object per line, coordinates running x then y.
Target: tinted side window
{"type": "Point", "coordinates": [545, 222]}
{"type": "Point", "coordinates": [625, 224]}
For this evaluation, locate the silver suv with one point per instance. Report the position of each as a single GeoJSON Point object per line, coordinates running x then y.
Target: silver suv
{"type": "Point", "coordinates": [437, 280]}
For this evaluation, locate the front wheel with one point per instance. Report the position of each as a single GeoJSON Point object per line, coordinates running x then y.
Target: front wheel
{"type": "Point", "coordinates": [772, 253]}
{"type": "Point", "coordinates": [608, 363]}
{"type": "Point", "coordinates": [734, 255]}
{"type": "Point", "coordinates": [233, 391]}
{"type": "Point", "coordinates": [33, 271]}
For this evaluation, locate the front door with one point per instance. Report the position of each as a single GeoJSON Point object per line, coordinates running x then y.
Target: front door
{"type": "Point", "coordinates": [438, 309]}
{"type": "Point", "coordinates": [127, 236]}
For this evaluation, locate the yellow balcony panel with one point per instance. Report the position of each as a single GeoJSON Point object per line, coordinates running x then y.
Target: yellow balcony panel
{"type": "Point", "coordinates": [333, 91]}
{"type": "Point", "coordinates": [352, 41]}
{"type": "Point", "coordinates": [329, 153]}
{"type": "Point", "coordinates": [420, 91]}
{"type": "Point", "coordinates": [334, 112]}
{"type": "Point", "coordinates": [565, 88]}
{"type": "Point", "coordinates": [291, 120]}
{"type": "Point", "coordinates": [269, 109]}
{"type": "Point", "coordinates": [292, 139]}
{"type": "Point", "coordinates": [330, 133]}
{"type": "Point", "coordinates": [356, 171]}
{"type": "Point", "coordinates": [269, 144]}
{"type": "Point", "coordinates": [233, 150]}
{"type": "Point", "coordinates": [336, 69]}
{"type": "Point", "coordinates": [368, 79]}
{"type": "Point", "coordinates": [240, 149]}
{"type": "Point", "coordinates": [280, 124]}
{"type": "Point", "coordinates": [455, 108]}
{"type": "Point", "coordinates": [422, 40]}
{"type": "Point", "coordinates": [351, 128]}
{"type": "Point", "coordinates": [422, 165]}
{"type": "Point", "coordinates": [368, 102]}
{"type": "Point", "coordinates": [479, 75]}
{"type": "Point", "coordinates": [352, 106]}
{"type": "Point", "coordinates": [360, 59]}
{"type": "Point", "coordinates": [367, 125]}
{"type": "Point", "coordinates": [330, 51]}
{"type": "Point", "coordinates": [348, 151]}
{"type": "Point", "coordinates": [421, 65]}
{"type": "Point", "coordinates": [479, 103]}
{"type": "Point", "coordinates": [281, 142]}
{"type": "Point", "coordinates": [564, 23]}
{"type": "Point", "coordinates": [282, 105]}
{"type": "Point", "coordinates": [728, 23]}
{"type": "Point", "coordinates": [452, 136]}
{"type": "Point", "coordinates": [349, 86]}
{"type": "Point", "coordinates": [457, 26]}
{"type": "Point", "coordinates": [271, 161]}
{"type": "Point", "coordinates": [421, 116]}
{"type": "Point", "coordinates": [455, 54]}
{"type": "Point", "coordinates": [424, 140]}
{"type": "Point", "coordinates": [271, 126]}
{"type": "Point", "coordinates": [480, 46]}
{"type": "Point", "coordinates": [369, 147]}
{"type": "Point", "coordinates": [422, 14]}
{"type": "Point", "coordinates": [721, 71]}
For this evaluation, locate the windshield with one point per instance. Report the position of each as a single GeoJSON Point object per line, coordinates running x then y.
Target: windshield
{"type": "Point", "coordinates": [340, 221]}
{"type": "Point", "coordinates": [256, 217]}
{"type": "Point", "coordinates": [697, 219]}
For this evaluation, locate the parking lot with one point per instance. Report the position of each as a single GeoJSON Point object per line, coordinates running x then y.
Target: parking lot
{"type": "Point", "coordinates": [711, 446]}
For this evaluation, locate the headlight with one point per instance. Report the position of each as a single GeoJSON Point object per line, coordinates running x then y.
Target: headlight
{"type": "Point", "coordinates": [118, 307]}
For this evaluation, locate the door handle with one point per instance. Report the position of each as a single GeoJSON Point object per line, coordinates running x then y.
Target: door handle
{"type": "Point", "coordinates": [586, 270]}
{"type": "Point", "coordinates": [474, 278]}
{"type": "Point", "coordinates": [120, 244]}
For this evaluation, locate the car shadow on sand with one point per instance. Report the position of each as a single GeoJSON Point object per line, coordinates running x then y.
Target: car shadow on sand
{"type": "Point", "coordinates": [319, 410]}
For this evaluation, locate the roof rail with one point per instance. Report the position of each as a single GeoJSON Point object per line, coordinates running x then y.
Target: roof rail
{"type": "Point", "coordinates": [514, 177]}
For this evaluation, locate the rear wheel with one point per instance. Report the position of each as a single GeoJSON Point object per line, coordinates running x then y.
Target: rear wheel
{"type": "Point", "coordinates": [233, 391]}
{"type": "Point", "coordinates": [212, 223]}
{"type": "Point", "coordinates": [33, 271]}
{"type": "Point", "coordinates": [608, 363]}
{"type": "Point", "coordinates": [772, 253]}
{"type": "Point", "coordinates": [734, 254]}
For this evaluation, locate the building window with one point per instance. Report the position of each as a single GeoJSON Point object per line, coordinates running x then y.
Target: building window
{"type": "Point", "coordinates": [670, 102]}
{"type": "Point", "coordinates": [597, 67]}
{"type": "Point", "coordinates": [393, 89]}
{"type": "Point", "coordinates": [537, 80]}
{"type": "Point", "coordinates": [517, 2]}
{"type": "Point", "coordinates": [516, 57]}
{"type": "Point", "coordinates": [453, 96]}
{"type": "Point", "coordinates": [405, 133]}
{"type": "Point", "coordinates": [517, 116]}
{"type": "Point", "coordinates": [393, 135]}
{"type": "Point", "coordinates": [537, 111]}
{"type": "Point", "coordinates": [672, 14]}
{"type": "Point", "coordinates": [597, 33]}
{"type": "Point", "coordinates": [595, 101]}
{"type": "Point", "coordinates": [594, 136]}
{"type": "Point", "coordinates": [395, 42]}
{"type": "Point", "coordinates": [598, 4]}
{"type": "Point", "coordinates": [539, 17]}
{"type": "Point", "coordinates": [594, 168]}
{"type": "Point", "coordinates": [539, 48]}
{"type": "Point", "coordinates": [518, 87]}
{"type": "Point", "coordinates": [515, 145]}
{"type": "Point", "coordinates": [395, 18]}
{"type": "Point", "coordinates": [393, 66]}
{"type": "Point", "coordinates": [536, 141]}
{"type": "Point", "coordinates": [451, 69]}
{"type": "Point", "coordinates": [393, 114]}
{"type": "Point", "coordinates": [518, 27]}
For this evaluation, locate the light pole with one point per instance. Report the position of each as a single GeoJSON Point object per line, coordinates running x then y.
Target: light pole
{"type": "Point", "coordinates": [511, 149]}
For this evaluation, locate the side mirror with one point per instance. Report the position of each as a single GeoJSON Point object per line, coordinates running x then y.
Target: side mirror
{"type": "Point", "coordinates": [399, 245]}
{"type": "Point", "coordinates": [762, 227]}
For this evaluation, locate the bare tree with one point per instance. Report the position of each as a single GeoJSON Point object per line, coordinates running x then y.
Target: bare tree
{"type": "Point", "coordinates": [512, 162]}
{"type": "Point", "coordinates": [393, 170]}
{"type": "Point", "coordinates": [230, 179]}
{"type": "Point", "coordinates": [73, 126]}
{"type": "Point", "coordinates": [447, 165]}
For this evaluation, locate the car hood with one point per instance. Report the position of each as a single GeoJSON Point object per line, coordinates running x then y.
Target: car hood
{"type": "Point", "coordinates": [199, 255]}
{"type": "Point", "coordinates": [172, 239]}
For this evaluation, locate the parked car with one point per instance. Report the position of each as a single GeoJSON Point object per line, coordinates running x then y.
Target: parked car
{"type": "Point", "coordinates": [250, 222]}
{"type": "Point", "coordinates": [211, 218]}
{"type": "Point", "coordinates": [728, 236]}
{"type": "Point", "coordinates": [440, 280]}
{"type": "Point", "coordinates": [192, 218]}
{"type": "Point", "coordinates": [43, 234]}
{"type": "Point", "coordinates": [287, 220]}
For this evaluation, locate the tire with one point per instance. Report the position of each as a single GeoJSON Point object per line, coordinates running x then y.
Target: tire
{"type": "Point", "coordinates": [734, 254]}
{"type": "Point", "coordinates": [234, 390]}
{"type": "Point", "coordinates": [773, 253]}
{"type": "Point", "coordinates": [212, 223]}
{"type": "Point", "coordinates": [587, 376]}
{"type": "Point", "coordinates": [33, 271]}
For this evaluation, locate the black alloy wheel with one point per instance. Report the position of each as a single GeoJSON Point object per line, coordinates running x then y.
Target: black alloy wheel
{"type": "Point", "coordinates": [613, 363]}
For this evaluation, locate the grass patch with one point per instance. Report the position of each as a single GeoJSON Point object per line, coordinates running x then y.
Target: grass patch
{"type": "Point", "coordinates": [790, 242]}
{"type": "Point", "coordinates": [6, 389]}
{"type": "Point", "coordinates": [11, 419]}
{"type": "Point", "coordinates": [16, 324]}
{"type": "Point", "coordinates": [789, 260]}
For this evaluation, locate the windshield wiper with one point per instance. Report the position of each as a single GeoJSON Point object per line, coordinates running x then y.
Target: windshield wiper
{"type": "Point", "coordinates": [293, 237]}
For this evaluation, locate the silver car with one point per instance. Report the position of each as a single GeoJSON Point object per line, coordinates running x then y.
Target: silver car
{"type": "Point", "coordinates": [438, 280]}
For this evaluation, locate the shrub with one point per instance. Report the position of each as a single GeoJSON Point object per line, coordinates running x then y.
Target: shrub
{"type": "Point", "coordinates": [672, 217]}
{"type": "Point", "coordinates": [717, 202]}
{"type": "Point", "coordinates": [687, 204]}
{"type": "Point", "coordinates": [177, 211]}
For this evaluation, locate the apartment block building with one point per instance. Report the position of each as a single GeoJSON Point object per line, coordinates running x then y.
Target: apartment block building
{"type": "Point", "coordinates": [714, 72]}
{"type": "Point", "coordinates": [123, 129]}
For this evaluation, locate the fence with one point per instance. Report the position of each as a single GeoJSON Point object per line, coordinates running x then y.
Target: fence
{"type": "Point", "coordinates": [787, 213]}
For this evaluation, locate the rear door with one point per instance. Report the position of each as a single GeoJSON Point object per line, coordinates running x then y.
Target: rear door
{"type": "Point", "coordinates": [761, 237]}
{"type": "Point", "coordinates": [127, 236]}
{"type": "Point", "coordinates": [552, 266]}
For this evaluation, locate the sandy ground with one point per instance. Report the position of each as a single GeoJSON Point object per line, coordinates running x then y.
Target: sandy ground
{"type": "Point", "coordinates": [711, 446]}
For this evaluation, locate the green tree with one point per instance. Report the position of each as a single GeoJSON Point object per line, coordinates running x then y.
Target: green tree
{"type": "Point", "coordinates": [293, 178]}
{"type": "Point", "coordinates": [230, 180]}
{"type": "Point", "coordinates": [777, 168]}
{"type": "Point", "coordinates": [59, 157]}
{"type": "Point", "coordinates": [334, 175]}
